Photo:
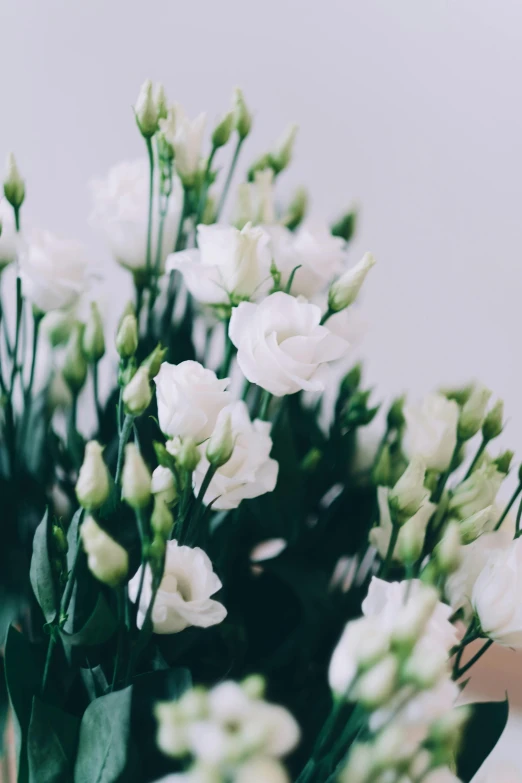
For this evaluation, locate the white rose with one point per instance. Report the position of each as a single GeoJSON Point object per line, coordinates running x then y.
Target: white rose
{"type": "Point", "coordinates": [320, 255]}
{"type": "Point", "coordinates": [54, 272]}
{"type": "Point", "coordinates": [249, 472]}
{"type": "Point", "coordinates": [189, 398]}
{"type": "Point", "coordinates": [281, 344]}
{"type": "Point", "coordinates": [415, 527]}
{"type": "Point", "coordinates": [227, 263]}
{"type": "Point", "coordinates": [477, 492]}
{"type": "Point", "coordinates": [185, 136]}
{"type": "Point", "coordinates": [8, 236]}
{"type": "Point", "coordinates": [473, 558]}
{"type": "Point", "coordinates": [431, 430]}
{"type": "Point", "coordinates": [183, 597]}
{"type": "Point", "coordinates": [120, 211]}
{"type": "Point", "coordinates": [496, 596]}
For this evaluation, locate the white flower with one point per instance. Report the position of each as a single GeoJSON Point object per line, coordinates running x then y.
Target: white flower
{"type": "Point", "coordinates": [189, 399]}
{"type": "Point", "coordinates": [459, 586]}
{"type": "Point", "coordinates": [120, 211]}
{"type": "Point", "coordinates": [414, 527]}
{"type": "Point", "coordinates": [185, 136]}
{"type": "Point", "coordinates": [320, 256]}
{"type": "Point", "coordinates": [162, 484]}
{"type": "Point", "coordinates": [431, 430]}
{"type": "Point", "coordinates": [496, 596]}
{"type": "Point", "coordinates": [386, 599]}
{"type": "Point", "coordinates": [473, 412]}
{"type": "Point", "coordinates": [281, 344]}
{"type": "Point", "coordinates": [409, 493]}
{"type": "Point", "coordinates": [54, 272]}
{"type": "Point", "coordinates": [362, 642]}
{"type": "Point", "coordinates": [477, 492]}
{"type": "Point", "coordinates": [227, 263]}
{"type": "Point", "coordinates": [250, 471]}
{"type": "Point", "coordinates": [8, 237]}
{"type": "Point", "coordinates": [183, 597]}
{"type": "Point", "coordinates": [264, 196]}
{"type": "Point", "coordinates": [92, 487]}
{"type": "Point", "coordinates": [344, 291]}
{"type": "Point", "coordinates": [107, 560]}
{"type": "Point", "coordinates": [261, 769]}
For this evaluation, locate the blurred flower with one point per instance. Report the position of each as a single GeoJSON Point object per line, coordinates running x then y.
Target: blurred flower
{"type": "Point", "coordinates": [431, 431]}
{"type": "Point", "coordinates": [185, 136]}
{"type": "Point", "coordinates": [93, 487]}
{"type": "Point", "coordinates": [8, 238]}
{"type": "Point", "coordinates": [496, 595]}
{"type": "Point", "coordinates": [415, 526]}
{"type": "Point", "coordinates": [54, 271]}
{"type": "Point", "coordinates": [107, 560]}
{"type": "Point", "coordinates": [477, 492]}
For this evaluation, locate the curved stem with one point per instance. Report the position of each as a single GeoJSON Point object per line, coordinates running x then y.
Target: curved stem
{"type": "Point", "coordinates": [124, 437]}
{"type": "Point", "coordinates": [96, 394]}
{"type": "Point", "coordinates": [476, 458]}
{"type": "Point", "coordinates": [228, 182]}
{"type": "Point", "coordinates": [326, 316]}
{"type": "Point", "coordinates": [389, 554]}
{"type": "Point", "coordinates": [458, 674]}
{"type": "Point", "coordinates": [506, 511]}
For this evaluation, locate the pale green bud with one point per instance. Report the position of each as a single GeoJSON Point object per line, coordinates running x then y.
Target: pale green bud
{"type": "Point", "coordinates": [14, 186]}
{"type": "Point", "coordinates": [137, 394]}
{"type": "Point", "coordinates": [381, 472]}
{"type": "Point", "coordinates": [60, 539]}
{"type": "Point", "coordinates": [154, 360]}
{"type": "Point", "coordinates": [409, 492]}
{"type": "Point", "coordinates": [93, 339]}
{"type": "Point", "coordinates": [160, 98]}
{"type": "Point", "coordinates": [171, 737]}
{"type": "Point", "coordinates": [360, 766]}
{"type": "Point", "coordinates": [391, 747]}
{"type": "Point", "coordinates": [156, 554]}
{"type": "Point", "coordinates": [410, 542]}
{"type": "Point", "coordinates": [162, 519]}
{"type": "Point", "coordinates": [473, 412]}
{"type": "Point", "coordinates": [345, 226]}
{"type": "Point", "coordinates": [188, 455]}
{"type": "Point", "coordinates": [75, 365]}
{"type": "Point", "coordinates": [136, 479]}
{"type": "Point", "coordinates": [425, 666]}
{"type": "Point", "coordinates": [58, 394]}
{"type": "Point", "coordinates": [473, 527]}
{"type": "Point", "coordinates": [127, 337]}
{"type": "Point", "coordinates": [129, 309]}
{"type": "Point", "coordinates": [242, 117]}
{"type": "Point", "coordinates": [223, 130]}
{"type": "Point", "coordinates": [108, 561]}
{"type": "Point", "coordinates": [376, 686]}
{"type": "Point", "coordinates": [221, 442]}
{"type": "Point", "coordinates": [493, 422]}
{"type": "Point", "coordinates": [57, 325]}
{"type": "Point", "coordinates": [413, 616]}
{"type": "Point", "coordinates": [146, 111]}
{"type": "Point", "coordinates": [282, 155]}
{"type": "Point", "coordinates": [395, 418]}
{"type": "Point", "coordinates": [93, 485]}
{"type": "Point", "coordinates": [296, 209]}
{"type": "Point", "coordinates": [344, 291]}
{"type": "Point", "coordinates": [503, 461]}
{"type": "Point", "coordinates": [254, 686]}
{"type": "Point", "coordinates": [448, 550]}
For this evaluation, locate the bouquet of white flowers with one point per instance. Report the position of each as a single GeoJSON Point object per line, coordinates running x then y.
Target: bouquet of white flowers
{"type": "Point", "coordinates": [212, 589]}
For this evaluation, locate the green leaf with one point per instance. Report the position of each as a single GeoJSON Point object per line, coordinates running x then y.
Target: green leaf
{"type": "Point", "coordinates": [104, 739]}
{"type": "Point", "coordinates": [23, 667]}
{"type": "Point", "coordinates": [41, 573]}
{"type": "Point", "coordinates": [99, 627]}
{"type": "Point", "coordinates": [481, 734]}
{"type": "Point", "coordinates": [94, 681]}
{"type": "Point", "coordinates": [72, 537]}
{"type": "Point", "coordinates": [51, 744]}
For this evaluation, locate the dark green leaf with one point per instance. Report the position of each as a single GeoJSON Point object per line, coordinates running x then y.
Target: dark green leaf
{"type": "Point", "coordinates": [481, 734]}
{"type": "Point", "coordinates": [99, 627]}
{"type": "Point", "coordinates": [104, 739]}
{"type": "Point", "coordinates": [41, 573]}
{"type": "Point", "coordinates": [95, 682]}
{"type": "Point", "coordinates": [72, 537]}
{"type": "Point", "coordinates": [51, 744]}
{"type": "Point", "coordinates": [4, 705]}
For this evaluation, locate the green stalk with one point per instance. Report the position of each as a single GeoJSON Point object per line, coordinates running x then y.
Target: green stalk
{"type": "Point", "coordinates": [476, 458]}
{"type": "Point", "coordinates": [229, 353]}
{"type": "Point", "coordinates": [507, 509]}
{"type": "Point", "coordinates": [326, 316]}
{"type": "Point", "coordinates": [230, 175]}
{"type": "Point", "coordinates": [389, 554]}
{"type": "Point", "coordinates": [150, 153]}
{"type": "Point", "coordinates": [443, 480]}
{"type": "Point", "coordinates": [95, 387]}
{"type": "Point", "coordinates": [458, 674]}
{"type": "Point", "coordinates": [266, 398]}
{"type": "Point", "coordinates": [124, 437]}
{"type": "Point", "coordinates": [204, 186]}
{"type": "Point", "coordinates": [196, 511]}
{"type": "Point", "coordinates": [120, 594]}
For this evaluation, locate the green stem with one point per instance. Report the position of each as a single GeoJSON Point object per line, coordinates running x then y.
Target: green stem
{"type": "Point", "coordinates": [326, 316]}
{"type": "Point", "coordinates": [19, 308]}
{"type": "Point", "coordinates": [95, 387]}
{"type": "Point", "coordinates": [150, 153]}
{"type": "Point", "coordinates": [445, 476]}
{"type": "Point", "coordinates": [389, 554]}
{"type": "Point", "coordinates": [124, 437]}
{"type": "Point", "coordinates": [229, 354]}
{"type": "Point", "coordinates": [196, 511]}
{"type": "Point", "coordinates": [266, 398]}
{"type": "Point", "coordinates": [246, 388]}
{"type": "Point", "coordinates": [228, 182]}
{"type": "Point", "coordinates": [458, 674]}
{"type": "Point", "coordinates": [506, 511]}
{"type": "Point", "coordinates": [204, 187]}
{"type": "Point", "coordinates": [37, 319]}
{"type": "Point", "coordinates": [476, 458]}
{"type": "Point", "coordinates": [48, 659]}
{"type": "Point", "coordinates": [517, 525]}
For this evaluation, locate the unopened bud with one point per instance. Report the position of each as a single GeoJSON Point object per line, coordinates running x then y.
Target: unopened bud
{"type": "Point", "coordinates": [345, 226]}
{"type": "Point", "coordinates": [282, 155]}
{"type": "Point", "coordinates": [188, 455]}
{"type": "Point", "coordinates": [58, 394]}
{"type": "Point", "coordinates": [136, 479]}
{"type": "Point", "coordinates": [14, 186]}
{"type": "Point", "coordinates": [223, 130]}
{"type": "Point", "coordinates": [473, 412]}
{"type": "Point", "coordinates": [377, 685]}
{"type": "Point", "coordinates": [414, 615]}
{"type": "Point", "coordinates": [242, 116]}
{"type": "Point", "coordinates": [411, 541]}
{"type": "Point", "coordinates": [296, 209]}
{"type": "Point", "coordinates": [57, 325]}
{"type": "Point", "coordinates": [108, 561]}
{"type": "Point", "coordinates": [156, 554]}
{"type": "Point", "coordinates": [473, 527]}
{"type": "Point", "coordinates": [75, 365]}
{"type": "Point", "coordinates": [60, 539]}
{"type": "Point", "coordinates": [146, 111]}
{"type": "Point", "coordinates": [503, 461]}
{"type": "Point", "coordinates": [161, 101]}
{"type": "Point", "coordinates": [154, 360]}
{"type": "Point", "coordinates": [395, 419]}
{"type": "Point", "coordinates": [311, 460]}
{"type": "Point", "coordinates": [127, 337]}
{"type": "Point", "coordinates": [162, 519]}
{"type": "Point", "coordinates": [391, 748]}
{"type": "Point", "coordinates": [344, 291]}
{"type": "Point", "coordinates": [409, 492]}
{"type": "Point", "coordinates": [93, 485]}
{"type": "Point", "coordinates": [163, 484]}
{"type": "Point", "coordinates": [221, 442]}
{"type": "Point", "coordinates": [93, 339]}
{"type": "Point", "coordinates": [425, 666]}
{"type": "Point", "coordinates": [381, 472]}
{"type": "Point", "coordinates": [493, 422]}
{"type": "Point", "coordinates": [448, 728]}
{"type": "Point", "coordinates": [137, 394]}
{"type": "Point", "coordinates": [361, 764]}
{"type": "Point", "coordinates": [254, 686]}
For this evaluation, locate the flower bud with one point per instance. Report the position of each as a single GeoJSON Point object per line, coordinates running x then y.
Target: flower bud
{"type": "Point", "coordinates": [242, 117]}
{"type": "Point", "coordinates": [14, 186]}
{"type": "Point", "coordinates": [127, 336]}
{"type": "Point", "coordinates": [223, 130]}
{"type": "Point", "coordinates": [391, 747]}
{"type": "Point", "coordinates": [344, 291]}
{"type": "Point", "coordinates": [425, 666]}
{"type": "Point", "coordinates": [171, 738]}
{"type": "Point", "coordinates": [414, 615]}
{"type": "Point", "coordinates": [448, 550]}
{"type": "Point", "coordinates": [296, 209]}
{"type": "Point", "coordinates": [60, 540]}
{"type": "Point", "coordinates": [254, 686]}
{"type": "Point", "coordinates": [282, 156]}
{"type": "Point", "coordinates": [162, 519]}
{"type": "Point", "coordinates": [58, 394]}
{"type": "Point", "coordinates": [93, 339]}
{"type": "Point", "coordinates": [57, 325]}
{"type": "Point", "coordinates": [381, 472]}
{"type": "Point", "coordinates": [473, 412]}
{"type": "Point", "coordinates": [345, 226]}
{"type": "Point", "coordinates": [93, 485]}
{"type": "Point", "coordinates": [157, 551]}
{"type": "Point", "coordinates": [448, 728]}
{"type": "Point", "coordinates": [473, 527]}
{"type": "Point", "coordinates": [136, 479]}
{"type": "Point", "coordinates": [161, 101]}
{"type": "Point", "coordinates": [75, 366]}
{"type": "Point", "coordinates": [107, 560]}
{"type": "Point", "coordinates": [395, 418]}
{"type": "Point", "coordinates": [493, 422]}
{"type": "Point", "coordinates": [409, 492]}
{"type": "Point", "coordinates": [221, 442]}
{"type": "Point", "coordinates": [163, 484]}
{"type": "Point", "coordinates": [460, 394]}
{"type": "Point", "coordinates": [410, 542]}
{"type": "Point", "coordinates": [188, 455]}
{"type": "Point", "coordinates": [146, 110]}
{"type": "Point", "coordinates": [137, 394]}
{"type": "Point", "coordinates": [377, 685]}
{"type": "Point", "coordinates": [360, 766]}
{"type": "Point", "coordinates": [154, 360]}
{"type": "Point", "coordinates": [503, 461]}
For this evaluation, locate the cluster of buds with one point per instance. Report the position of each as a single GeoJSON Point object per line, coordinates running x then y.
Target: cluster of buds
{"type": "Point", "coordinates": [136, 381]}
{"type": "Point", "coordinates": [84, 345]}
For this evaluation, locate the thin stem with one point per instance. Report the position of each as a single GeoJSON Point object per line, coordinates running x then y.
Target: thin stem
{"type": "Point", "coordinates": [473, 660]}
{"type": "Point", "coordinates": [139, 300]}
{"type": "Point", "coordinates": [19, 307]}
{"type": "Point", "coordinates": [266, 398]}
{"type": "Point", "coordinates": [229, 353]}
{"type": "Point", "coordinates": [246, 388]}
{"type": "Point", "coordinates": [230, 175]}
{"type": "Point", "coordinates": [506, 511]}
{"type": "Point", "coordinates": [72, 432]}
{"type": "Point", "coordinates": [124, 437]}
{"type": "Point", "coordinates": [389, 554]}
{"type": "Point", "coordinates": [204, 186]}
{"type": "Point", "coordinates": [95, 388]}
{"type": "Point", "coordinates": [476, 458]}
{"type": "Point", "coordinates": [443, 480]}
{"type": "Point", "coordinates": [196, 511]}
{"type": "Point", "coordinates": [48, 659]}
{"type": "Point", "coordinates": [326, 316]}
{"type": "Point", "coordinates": [37, 319]}
{"type": "Point", "coordinates": [517, 525]}
{"type": "Point", "coordinates": [150, 153]}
